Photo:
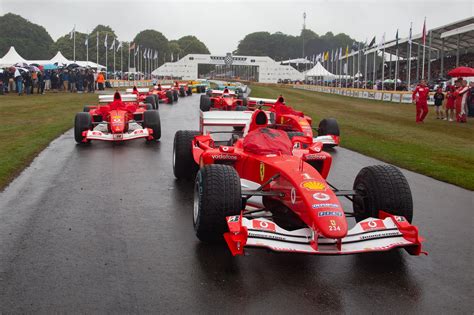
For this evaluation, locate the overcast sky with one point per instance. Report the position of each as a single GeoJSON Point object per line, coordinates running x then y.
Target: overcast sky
{"type": "Point", "coordinates": [221, 24]}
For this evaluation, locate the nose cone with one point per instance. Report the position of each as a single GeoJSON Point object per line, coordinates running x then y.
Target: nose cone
{"type": "Point", "coordinates": [328, 215]}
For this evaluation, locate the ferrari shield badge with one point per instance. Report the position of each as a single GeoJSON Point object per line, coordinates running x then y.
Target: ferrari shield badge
{"type": "Point", "coordinates": [262, 171]}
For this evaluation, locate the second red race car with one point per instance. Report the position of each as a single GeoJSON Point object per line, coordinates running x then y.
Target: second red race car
{"type": "Point", "coordinates": [257, 189]}
{"type": "Point", "coordinates": [117, 118]}
{"type": "Point", "coordinates": [222, 100]}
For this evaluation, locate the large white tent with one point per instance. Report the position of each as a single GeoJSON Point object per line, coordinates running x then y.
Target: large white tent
{"type": "Point", "coordinates": [319, 71]}
{"type": "Point", "coordinates": [11, 57]}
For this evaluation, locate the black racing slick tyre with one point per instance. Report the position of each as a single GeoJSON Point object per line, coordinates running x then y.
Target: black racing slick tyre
{"type": "Point", "coordinates": [169, 96]}
{"type": "Point", "coordinates": [184, 166]}
{"type": "Point", "coordinates": [217, 194]}
{"type": "Point", "coordinates": [328, 126]}
{"type": "Point", "coordinates": [240, 108]}
{"type": "Point", "coordinates": [205, 103]}
{"type": "Point", "coordinates": [382, 187]}
{"type": "Point", "coordinates": [82, 122]}
{"type": "Point", "coordinates": [149, 106]}
{"type": "Point", "coordinates": [86, 109]}
{"type": "Point", "coordinates": [189, 91]}
{"type": "Point", "coordinates": [150, 99]}
{"type": "Point", "coordinates": [151, 119]}
{"type": "Point", "coordinates": [182, 92]}
{"type": "Point", "coordinates": [175, 95]}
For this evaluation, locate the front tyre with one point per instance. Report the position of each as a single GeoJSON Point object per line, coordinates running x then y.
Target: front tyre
{"type": "Point", "coordinates": [217, 194]}
{"type": "Point", "coordinates": [151, 119]}
{"type": "Point", "coordinates": [382, 187]}
{"type": "Point", "coordinates": [82, 122]}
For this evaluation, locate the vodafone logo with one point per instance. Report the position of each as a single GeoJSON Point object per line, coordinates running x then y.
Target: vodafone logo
{"type": "Point", "coordinates": [321, 196]}
{"type": "Point", "coordinates": [373, 225]}
{"type": "Point", "coordinates": [263, 225]}
{"type": "Point", "coordinates": [293, 195]}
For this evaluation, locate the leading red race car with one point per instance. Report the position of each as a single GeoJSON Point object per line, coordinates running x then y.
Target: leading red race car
{"type": "Point", "coordinates": [117, 118]}
{"type": "Point", "coordinates": [260, 191]}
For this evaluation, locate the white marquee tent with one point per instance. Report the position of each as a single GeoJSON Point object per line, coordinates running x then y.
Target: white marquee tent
{"type": "Point", "coordinates": [319, 71]}
{"type": "Point", "coordinates": [11, 57]}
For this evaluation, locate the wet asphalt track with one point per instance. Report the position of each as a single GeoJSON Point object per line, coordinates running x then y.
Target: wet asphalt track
{"type": "Point", "coordinates": [106, 228]}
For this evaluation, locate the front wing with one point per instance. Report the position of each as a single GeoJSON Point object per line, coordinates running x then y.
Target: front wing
{"type": "Point", "coordinates": [327, 140]}
{"type": "Point", "coordinates": [369, 235]}
{"type": "Point", "coordinates": [99, 135]}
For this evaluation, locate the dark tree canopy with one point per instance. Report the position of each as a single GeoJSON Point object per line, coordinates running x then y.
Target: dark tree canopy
{"type": "Point", "coordinates": [31, 41]}
{"type": "Point", "coordinates": [282, 46]}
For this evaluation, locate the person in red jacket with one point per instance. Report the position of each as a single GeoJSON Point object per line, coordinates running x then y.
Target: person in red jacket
{"type": "Point", "coordinates": [420, 98]}
{"type": "Point", "coordinates": [450, 98]}
{"type": "Point", "coordinates": [460, 102]}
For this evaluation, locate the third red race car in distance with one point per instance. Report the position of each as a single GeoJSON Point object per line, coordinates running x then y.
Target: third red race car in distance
{"type": "Point", "coordinates": [222, 100]}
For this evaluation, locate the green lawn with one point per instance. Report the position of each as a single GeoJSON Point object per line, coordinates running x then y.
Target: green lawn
{"type": "Point", "coordinates": [388, 132]}
{"type": "Point", "coordinates": [29, 123]}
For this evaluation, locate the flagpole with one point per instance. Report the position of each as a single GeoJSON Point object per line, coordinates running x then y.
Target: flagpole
{"type": "Point", "coordinates": [114, 56]}
{"type": "Point", "coordinates": [97, 52]}
{"type": "Point", "coordinates": [396, 70]}
{"type": "Point", "coordinates": [74, 35]}
{"type": "Point", "coordinates": [365, 76]}
{"type": "Point", "coordinates": [409, 58]}
{"type": "Point", "coordinates": [373, 73]}
{"type": "Point", "coordinates": [383, 65]}
{"type": "Point", "coordinates": [424, 45]}
{"type": "Point", "coordinates": [87, 50]}
{"type": "Point", "coordinates": [106, 53]}
{"type": "Point", "coordinates": [121, 60]}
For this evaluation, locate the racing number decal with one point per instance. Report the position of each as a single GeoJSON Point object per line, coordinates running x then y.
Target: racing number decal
{"type": "Point", "coordinates": [333, 226]}
{"type": "Point", "coordinates": [262, 171]}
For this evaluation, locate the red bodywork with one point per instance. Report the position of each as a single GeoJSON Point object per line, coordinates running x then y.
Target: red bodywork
{"type": "Point", "coordinates": [117, 115]}
{"type": "Point", "coordinates": [224, 100]}
{"type": "Point", "coordinates": [265, 153]}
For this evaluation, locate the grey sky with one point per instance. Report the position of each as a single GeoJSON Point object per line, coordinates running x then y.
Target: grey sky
{"type": "Point", "coordinates": [221, 24]}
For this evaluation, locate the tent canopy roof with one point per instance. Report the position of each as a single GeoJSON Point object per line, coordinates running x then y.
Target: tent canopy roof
{"type": "Point", "coordinates": [11, 57]}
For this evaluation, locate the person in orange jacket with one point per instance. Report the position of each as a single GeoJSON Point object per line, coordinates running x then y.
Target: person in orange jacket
{"type": "Point", "coordinates": [420, 98]}
{"type": "Point", "coordinates": [100, 81]}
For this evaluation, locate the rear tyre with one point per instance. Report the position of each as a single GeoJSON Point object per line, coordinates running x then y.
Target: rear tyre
{"type": "Point", "coordinates": [175, 95]}
{"type": "Point", "coordinates": [151, 119]}
{"type": "Point", "coordinates": [217, 194]}
{"type": "Point", "coordinates": [240, 108]}
{"type": "Point", "coordinates": [150, 99]}
{"type": "Point", "coordinates": [182, 92]}
{"type": "Point", "coordinates": [205, 103]}
{"type": "Point", "coordinates": [382, 187]}
{"type": "Point", "coordinates": [86, 109]}
{"type": "Point", "coordinates": [189, 91]}
{"type": "Point", "coordinates": [169, 96]}
{"type": "Point", "coordinates": [157, 101]}
{"type": "Point", "coordinates": [149, 106]}
{"type": "Point", "coordinates": [184, 166]}
{"type": "Point", "coordinates": [82, 122]}
{"type": "Point", "coordinates": [328, 126]}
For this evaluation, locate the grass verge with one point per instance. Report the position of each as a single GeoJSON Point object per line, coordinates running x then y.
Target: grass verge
{"type": "Point", "coordinates": [386, 131]}
{"type": "Point", "coordinates": [30, 123]}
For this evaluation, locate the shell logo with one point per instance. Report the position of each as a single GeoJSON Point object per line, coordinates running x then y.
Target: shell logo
{"type": "Point", "coordinates": [314, 185]}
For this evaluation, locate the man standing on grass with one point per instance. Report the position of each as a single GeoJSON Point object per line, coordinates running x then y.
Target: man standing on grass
{"type": "Point", "coordinates": [420, 98]}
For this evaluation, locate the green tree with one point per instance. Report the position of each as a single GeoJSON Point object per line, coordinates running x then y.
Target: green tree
{"type": "Point", "coordinates": [154, 40]}
{"type": "Point", "coordinates": [192, 45]}
{"type": "Point", "coordinates": [31, 41]}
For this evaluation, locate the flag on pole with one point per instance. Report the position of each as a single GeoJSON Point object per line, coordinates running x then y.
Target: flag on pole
{"type": "Point", "coordinates": [156, 55]}
{"type": "Point", "coordinates": [424, 32]}
{"type": "Point", "coordinates": [87, 41]}
{"type": "Point", "coordinates": [382, 41]}
{"type": "Point", "coordinates": [409, 36]}
{"type": "Point", "coordinates": [144, 53]}
{"type": "Point", "coordinates": [105, 41]}
{"type": "Point", "coordinates": [372, 42]}
{"type": "Point", "coordinates": [347, 51]}
{"type": "Point", "coordinates": [172, 58]}
{"type": "Point", "coordinates": [396, 39]}
{"type": "Point", "coordinates": [71, 33]}
{"type": "Point", "coordinates": [149, 54]}
{"type": "Point", "coordinates": [113, 45]}
{"type": "Point", "coordinates": [132, 46]}
{"type": "Point", "coordinates": [340, 53]}
{"type": "Point", "coordinates": [138, 49]}
{"type": "Point", "coordinates": [119, 46]}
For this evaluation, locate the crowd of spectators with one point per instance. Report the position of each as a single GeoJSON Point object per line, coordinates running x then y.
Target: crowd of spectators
{"type": "Point", "coordinates": [77, 80]}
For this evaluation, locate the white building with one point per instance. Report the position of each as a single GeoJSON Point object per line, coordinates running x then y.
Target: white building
{"type": "Point", "coordinates": [268, 70]}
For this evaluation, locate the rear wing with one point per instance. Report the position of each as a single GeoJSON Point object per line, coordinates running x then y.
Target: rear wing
{"type": "Point", "coordinates": [110, 98]}
{"type": "Point", "coordinates": [140, 90]}
{"type": "Point", "coordinates": [259, 100]}
{"type": "Point", "coordinates": [228, 119]}
{"type": "Point", "coordinates": [222, 92]}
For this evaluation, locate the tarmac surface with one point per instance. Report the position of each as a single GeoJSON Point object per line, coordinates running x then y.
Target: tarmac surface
{"type": "Point", "coordinates": [107, 228]}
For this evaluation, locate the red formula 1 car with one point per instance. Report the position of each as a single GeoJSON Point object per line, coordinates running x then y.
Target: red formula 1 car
{"type": "Point", "coordinates": [296, 122]}
{"type": "Point", "coordinates": [260, 191]}
{"type": "Point", "coordinates": [222, 100]}
{"type": "Point", "coordinates": [183, 89]}
{"type": "Point", "coordinates": [144, 95]}
{"type": "Point", "coordinates": [117, 118]}
{"type": "Point", "coordinates": [166, 93]}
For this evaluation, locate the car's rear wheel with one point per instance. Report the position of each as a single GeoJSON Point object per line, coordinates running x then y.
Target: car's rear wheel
{"type": "Point", "coordinates": [240, 108]}
{"type": "Point", "coordinates": [205, 103]}
{"type": "Point", "coordinates": [82, 122]}
{"type": "Point", "coordinates": [86, 109]}
{"type": "Point", "coordinates": [175, 95]}
{"type": "Point", "coordinates": [157, 101]}
{"type": "Point", "coordinates": [189, 91]}
{"type": "Point", "coordinates": [148, 106]}
{"type": "Point", "coordinates": [184, 166]}
{"type": "Point", "coordinates": [217, 194]}
{"type": "Point", "coordinates": [151, 119]}
{"type": "Point", "coordinates": [169, 96]}
{"type": "Point", "coordinates": [382, 187]}
{"type": "Point", "coordinates": [182, 92]}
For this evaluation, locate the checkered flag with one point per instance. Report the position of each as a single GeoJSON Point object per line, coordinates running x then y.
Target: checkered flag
{"type": "Point", "coordinates": [228, 60]}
